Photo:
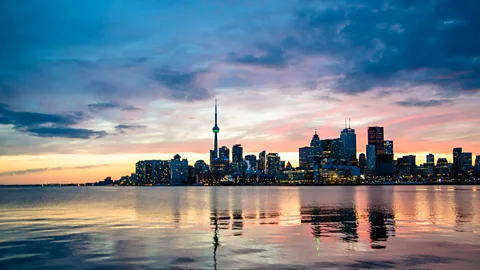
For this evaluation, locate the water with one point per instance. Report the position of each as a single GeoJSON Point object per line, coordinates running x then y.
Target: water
{"type": "Point", "coordinates": [374, 227]}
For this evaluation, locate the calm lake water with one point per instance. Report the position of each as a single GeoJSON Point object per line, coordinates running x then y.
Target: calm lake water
{"type": "Point", "coordinates": [373, 227]}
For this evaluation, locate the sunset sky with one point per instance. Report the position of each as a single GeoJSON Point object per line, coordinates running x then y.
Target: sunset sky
{"type": "Point", "coordinates": [87, 88]}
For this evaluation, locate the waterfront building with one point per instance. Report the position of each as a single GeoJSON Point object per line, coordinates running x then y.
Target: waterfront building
{"type": "Point", "coordinates": [430, 160]}
{"type": "Point", "coordinates": [251, 161]}
{"type": "Point", "coordinates": [349, 139]}
{"type": "Point", "coordinates": [376, 137]}
{"type": "Point", "coordinates": [273, 163]}
{"type": "Point", "coordinates": [179, 170]}
{"type": "Point", "coordinates": [261, 162]}
{"type": "Point", "coordinates": [466, 161]}
{"type": "Point", "coordinates": [237, 159]}
{"type": "Point", "coordinates": [362, 162]}
{"type": "Point", "coordinates": [477, 163]}
{"type": "Point", "coordinates": [316, 151]}
{"type": "Point", "coordinates": [457, 160]}
{"type": "Point", "coordinates": [338, 152]}
{"type": "Point", "coordinates": [152, 172]}
{"type": "Point", "coordinates": [327, 148]}
{"type": "Point", "coordinates": [303, 157]}
{"type": "Point", "coordinates": [370, 157]}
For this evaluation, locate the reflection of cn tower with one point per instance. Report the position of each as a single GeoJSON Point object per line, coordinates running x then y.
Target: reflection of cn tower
{"type": "Point", "coordinates": [214, 222]}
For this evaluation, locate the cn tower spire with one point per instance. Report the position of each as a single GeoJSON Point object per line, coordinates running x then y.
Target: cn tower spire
{"type": "Point", "coordinates": [215, 130]}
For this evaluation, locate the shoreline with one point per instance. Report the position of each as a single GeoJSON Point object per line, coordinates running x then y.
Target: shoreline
{"type": "Point", "coordinates": [255, 185]}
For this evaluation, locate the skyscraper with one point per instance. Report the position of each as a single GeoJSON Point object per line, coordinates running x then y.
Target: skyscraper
{"type": "Point", "coordinates": [457, 160]}
{"type": "Point", "coordinates": [316, 151]}
{"type": "Point", "coordinates": [477, 162]}
{"type": "Point", "coordinates": [304, 157]}
{"type": "Point", "coordinates": [388, 146]}
{"type": "Point", "coordinates": [362, 162]}
{"type": "Point", "coordinates": [376, 137]}
{"type": "Point", "coordinates": [179, 170]}
{"type": "Point", "coordinates": [215, 130]}
{"type": "Point", "coordinates": [273, 163]}
{"type": "Point", "coordinates": [371, 157]}
{"type": "Point", "coordinates": [430, 159]}
{"type": "Point", "coordinates": [237, 159]}
{"type": "Point", "coordinates": [338, 152]}
{"type": "Point", "coordinates": [466, 162]}
{"type": "Point", "coordinates": [251, 161]}
{"type": "Point", "coordinates": [327, 148]}
{"type": "Point", "coordinates": [349, 139]}
{"type": "Point", "coordinates": [261, 162]}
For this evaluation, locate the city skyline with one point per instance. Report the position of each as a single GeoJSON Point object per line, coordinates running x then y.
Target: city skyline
{"type": "Point", "coordinates": [78, 107]}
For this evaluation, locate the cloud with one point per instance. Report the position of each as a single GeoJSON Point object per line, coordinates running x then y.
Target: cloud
{"type": "Point", "coordinates": [47, 125]}
{"type": "Point", "coordinates": [121, 128]}
{"type": "Point", "coordinates": [271, 57]}
{"type": "Point", "coordinates": [38, 170]}
{"type": "Point", "coordinates": [98, 107]}
{"type": "Point", "coordinates": [64, 132]}
{"type": "Point", "coordinates": [423, 103]}
{"type": "Point", "coordinates": [183, 85]}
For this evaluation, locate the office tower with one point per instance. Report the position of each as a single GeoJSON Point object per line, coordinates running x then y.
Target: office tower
{"type": "Point", "coordinates": [251, 161]}
{"type": "Point", "coordinates": [337, 149]}
{"type": "Point", "coordinates": [215, 130]}
{"type": "Point", "coordinates": [327, 148]}
{"type": "Point", "coordinates": [384, 165]}
{"type": "Point", "coordinates": [349, 139]}
{"type": "Point", "coordinates": [477, 161]}
{"type": "Point", "coordinates": [457, 160]}
{"type": "Point", "coordinates": [179, 170]}
{"type": "Point", "coordinates": [466, 161]}
{"type": "Point", "coordinates": [273, 163]}
{"type": "Point", "coordinates": [362, 161]}
{"type": "Point", "coordinates": [224, 160]}
{"type": "Point", "coordinates": [430, 160]}
{"type": "Point", "coordinates": [375, 137]}
{"type": "Point", "coordinates": [212, 160]}
{"type": "Point", "coordinates": [388, 146]}
{"type": "Point", "coordinates": [316, 151]}
{"type": "Point", "coordinates": [140, 172]}
{"type": "Point", "coordinates": [371, 157]}
{"type": "Point", "coordinates": [304, 157]}
{"type": "Point", "coordinates": [262, 161]}
{"type": "Point", "coordinates": [237, 159]}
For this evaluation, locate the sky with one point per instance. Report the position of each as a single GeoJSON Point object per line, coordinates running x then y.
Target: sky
{"type": "Point", "coordinates": [87, 88]}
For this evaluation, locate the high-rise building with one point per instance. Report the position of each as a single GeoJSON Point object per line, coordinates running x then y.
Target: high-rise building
{"type": "Point", "coordinates": [262, 161]}
{"type": "Point", "coordinates": [251, 161]}
{"type": "Point", "coordinates": [466, 161]}
{"type": "Point", "coordinates": [237, 159]}
{"type": "Point", "coordinates": [457, 160]}
{"type": "Point", "coordinates": [349, 139]}
{"type": "Point", "coordinates": [430, 160]}
{"type": "Point", "coordinates": [337, 149]}
{"type": "Point", "coordinates": [179, 170]}
{"type": "Point", "coordinates": [362, 162]}
{"type": "Point", "coordinates": [388, 146]}
{"type": "Point", "coordinates": [371, 157]}
{"type": "Point", "coordinates": [152, 172]}
{"type": "Point", "coordinates": [327, 148]}
{"type": "Point", "coordinates": [477, 161]}
{"type": "Point", "coordinates": [304, 157]}
{"type": "Point", "coordinates": [224, 159]}
{"type": "Point", "coordinates": [316, 151]}
{"type": "Point", "coordinates": [376, 137]}
{"type": "Point", "coordinates": [215, 130]}
{"type": "Point", "coordinates": [273, 163]}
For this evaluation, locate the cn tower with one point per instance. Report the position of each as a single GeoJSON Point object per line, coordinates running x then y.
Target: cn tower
{"type": "Point", "coordinates": [215, 130]}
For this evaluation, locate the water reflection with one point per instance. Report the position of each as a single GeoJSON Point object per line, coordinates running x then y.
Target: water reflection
{"type": "Point", "coordinates": [244, 227]}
